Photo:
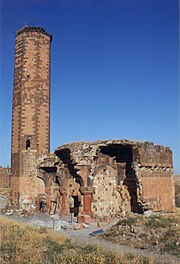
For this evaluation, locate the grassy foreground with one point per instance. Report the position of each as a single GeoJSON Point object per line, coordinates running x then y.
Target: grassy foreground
{"type": "Point", "coordinates": [21, 244]}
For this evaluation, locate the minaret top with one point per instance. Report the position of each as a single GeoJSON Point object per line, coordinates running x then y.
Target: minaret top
{"type": "Point", "coordinates": [33, 29]}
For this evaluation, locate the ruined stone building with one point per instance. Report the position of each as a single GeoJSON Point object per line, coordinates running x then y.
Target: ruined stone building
{"type": "Point", "coordinates": [97, 179]}
{"type": "Point", "coordinates": [108, 177]}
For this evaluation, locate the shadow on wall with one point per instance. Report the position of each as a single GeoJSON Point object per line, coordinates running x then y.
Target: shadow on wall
{"type": "Point", "coordinates": [124, 154]}
{"type": "Point", "coordinates": [64, 155]}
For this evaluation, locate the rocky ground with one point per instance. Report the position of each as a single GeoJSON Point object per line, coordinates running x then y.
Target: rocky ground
{"type": "Point", "coordinates": [158, 233]}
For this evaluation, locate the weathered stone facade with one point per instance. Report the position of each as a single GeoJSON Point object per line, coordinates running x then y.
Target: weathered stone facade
{"type": "Point", "coordinates": [105, 178]}
{"type": "Point", "coordinates": [93, 180]}
{"type": "Point", "coordinates": [30, 114]}
{"type": "Point", "coordinates": [5, 176]}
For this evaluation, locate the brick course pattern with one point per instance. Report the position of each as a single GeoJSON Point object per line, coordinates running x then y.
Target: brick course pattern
{"type": "Point", "coordinates": [30, 115]}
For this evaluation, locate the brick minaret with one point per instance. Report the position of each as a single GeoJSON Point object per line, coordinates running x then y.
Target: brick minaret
{"type": "Point", "coordinates": [30, 113]}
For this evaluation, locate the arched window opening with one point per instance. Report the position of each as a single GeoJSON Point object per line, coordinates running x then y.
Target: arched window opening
{"type": "Point", "coordinates": [28, 144]}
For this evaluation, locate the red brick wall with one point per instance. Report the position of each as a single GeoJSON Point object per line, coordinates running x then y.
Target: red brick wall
{"type": "Point", "coordinates": [31, 107]}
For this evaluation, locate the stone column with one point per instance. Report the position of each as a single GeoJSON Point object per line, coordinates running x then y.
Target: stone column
{"type": "Point", "coordinates": [87, 199]}
{"type": "Point", "coordinates": [64, 209]}
{"type": "Point", "coordinates": [48, 198]}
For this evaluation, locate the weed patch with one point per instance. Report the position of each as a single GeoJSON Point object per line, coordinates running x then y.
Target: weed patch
{"type": "Point", "coordinates": [128, 221]}
{"type": "Point", "coordinates": [157, 232]}
{"type": "Point", "coordinates": [22, 244]}
{"type": "Point", "coordinates": [159, 222]}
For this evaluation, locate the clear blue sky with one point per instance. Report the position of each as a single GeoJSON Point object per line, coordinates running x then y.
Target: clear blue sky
{"type": "Point", "coordinates": [114, 69]}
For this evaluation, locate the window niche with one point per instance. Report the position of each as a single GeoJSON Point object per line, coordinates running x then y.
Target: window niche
{"type": "Point", "coordinates": [28, 144]}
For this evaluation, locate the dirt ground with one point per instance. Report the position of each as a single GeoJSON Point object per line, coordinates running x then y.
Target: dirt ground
{"type": "Point", "coordinates": [82, 236]}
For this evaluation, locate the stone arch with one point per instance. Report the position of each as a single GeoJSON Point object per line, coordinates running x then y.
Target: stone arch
{"type": "Point", "coordinates": [52, 184]}
{"type": "Point", "coordinates": [70, 165]}
{"type": "Point", "coordinates": [79, 180]}
{"type": "Point", "coordinates": [41, 187]}
{"type": "Point", "coordinates": [58, 180]}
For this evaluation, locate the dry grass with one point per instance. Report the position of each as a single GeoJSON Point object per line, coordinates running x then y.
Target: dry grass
{"type": "Point", "coordinates": [23, 244]}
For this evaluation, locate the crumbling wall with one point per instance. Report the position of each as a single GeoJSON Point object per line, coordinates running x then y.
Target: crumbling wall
{"type": "Point", "coordinates": [5, 176]}
{"type": "Point", "coordinates": [100, 171]}
{"type": "Point", "coordinates": [150, 154]}
{"type": "Point", "coordinates": [116, 176]}
{"type": "Point", "coordinates": [108, 200]}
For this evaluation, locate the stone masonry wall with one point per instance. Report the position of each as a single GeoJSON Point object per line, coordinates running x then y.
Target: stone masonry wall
{"type": "Point", "coordinates": [107, 200]}
{"type": "Point", "coordinates": [114, 175]}
{"type": "Point", "coordinates": [28, 187]}
{"type": "Point", "coordinates": [158, 194]}
{"type": "Point", "coordinates": [153, 155]}
{"type": "Point", "coordinates": [5, 176]}
{"type": "Point", "coordinates": [155, 175]}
